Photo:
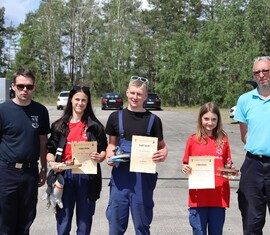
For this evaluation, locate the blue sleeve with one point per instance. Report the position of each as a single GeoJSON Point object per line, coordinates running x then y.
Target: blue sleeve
{"type": "Point", "coordinates": [240, 113]}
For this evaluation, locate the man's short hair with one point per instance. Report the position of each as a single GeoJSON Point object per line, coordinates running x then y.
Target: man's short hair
{"type": "Point", "coordinates": [138, 83]}
{"type": "Point", "coordinates": [261, 58]}
{"type": "Point", "coordinates": [24, 72]}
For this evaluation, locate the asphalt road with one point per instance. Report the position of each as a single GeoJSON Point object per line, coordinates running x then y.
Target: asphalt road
{"type": "Point", "coordinates": [170, 212]}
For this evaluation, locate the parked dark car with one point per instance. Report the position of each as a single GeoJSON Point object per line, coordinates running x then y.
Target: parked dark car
{"type": "Point", "coordinates": [152, 102]}
{"type": "Point", "coordinates": [111, 100]}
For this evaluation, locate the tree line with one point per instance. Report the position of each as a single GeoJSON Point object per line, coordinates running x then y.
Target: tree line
{"type": "Point", "coordinates": [192, 51]}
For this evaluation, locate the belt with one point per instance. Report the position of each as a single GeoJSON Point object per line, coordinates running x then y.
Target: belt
{"type": "Point", "coordinates": [19, 165]}
{"type": "Point", "coordinates": [258, 156]}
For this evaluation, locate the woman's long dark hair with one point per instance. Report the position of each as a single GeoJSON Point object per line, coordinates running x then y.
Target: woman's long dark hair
{"type": "Point", "coordinates": [88, 112]}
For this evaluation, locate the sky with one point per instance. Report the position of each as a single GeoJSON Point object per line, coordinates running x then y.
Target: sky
{"type": "Point", "coordinates": [16, 10]}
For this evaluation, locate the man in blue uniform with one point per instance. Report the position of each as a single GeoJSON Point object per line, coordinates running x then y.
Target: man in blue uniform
{"type": "Point", "coordinates": [253, 114]}
{"type": "Point", "coordinates": [132, 191]}
{"type": "Point", "coordinates": [24, 126]}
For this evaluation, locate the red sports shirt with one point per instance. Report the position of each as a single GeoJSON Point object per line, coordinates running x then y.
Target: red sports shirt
{"type": "Point", "coordinates": [220, 196]}
{"type": "Point", "coordinates": [77, 134]}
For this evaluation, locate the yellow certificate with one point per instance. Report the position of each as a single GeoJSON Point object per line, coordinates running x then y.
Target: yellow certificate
{"type": "Point", "coordinates": [81, 153]}
{"type": "Point", "coordinates": [203, 172]}
{"type": "Point", "coordinates": [142, 149]}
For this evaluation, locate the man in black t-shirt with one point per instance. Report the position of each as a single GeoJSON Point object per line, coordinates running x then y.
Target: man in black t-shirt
{"type": "Point", "coordinates": [132, 190]}
{"type": "Point", "coordinates": [24, 126]}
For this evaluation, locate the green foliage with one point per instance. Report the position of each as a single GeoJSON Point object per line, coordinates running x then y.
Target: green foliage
{"type": "Point", "coordinates": [6, 38]}
{"type": "Point", "coordinates": [192, 51]}
{"type": "Point", "coordinates": [220, 60]}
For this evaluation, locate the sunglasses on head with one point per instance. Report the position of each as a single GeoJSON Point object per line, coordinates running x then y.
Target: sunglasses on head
{"type": "Point", "coordinates": [22, 86]}
{"type": "Point", "coordinates": [80, 88]}
{"type": "Point", "coordinates": [135, 78]}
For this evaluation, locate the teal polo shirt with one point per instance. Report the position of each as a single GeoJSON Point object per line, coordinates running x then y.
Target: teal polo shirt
{"type": "Point", "coordinates": [254, 111]}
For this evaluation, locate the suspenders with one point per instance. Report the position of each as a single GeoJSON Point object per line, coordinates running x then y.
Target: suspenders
{"type": "Point", "coordinates": [121, 128]}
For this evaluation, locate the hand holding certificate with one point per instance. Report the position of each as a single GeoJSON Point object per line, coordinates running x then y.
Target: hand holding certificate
{"type": "Point", "coordinates": [203, 173]}
{"type": "Point", "coordinates": [142, 150]}
{"type": "Point", "coordinates": [81, 152]}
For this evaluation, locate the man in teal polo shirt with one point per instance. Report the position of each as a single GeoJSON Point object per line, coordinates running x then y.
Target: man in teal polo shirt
{"type": "Point", "coordinates": [253, 114]}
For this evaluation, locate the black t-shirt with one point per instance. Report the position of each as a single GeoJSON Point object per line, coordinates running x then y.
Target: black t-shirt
{"type": "Point", "coordinates": [20, 129]}
{"type": "Point", "coordinates": [134, 123]}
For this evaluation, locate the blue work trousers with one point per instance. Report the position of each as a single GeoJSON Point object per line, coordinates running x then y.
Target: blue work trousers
{"type": "Point", "coordinates": [130, 191]}
{"type": "Point", "coordinates": [254, 194]}
{"type": "Point", "coordinates": [76, 191]}
{"type": "Point", "coordinates": [18, 199]}
{"type": "Point", "coordinates": [202, 219]}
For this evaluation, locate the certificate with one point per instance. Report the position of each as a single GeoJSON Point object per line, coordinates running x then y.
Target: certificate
{"type": "Point", "coordinates": [203, 172]}
{"type": "Point", "coordinates": [142, 150]}
{"type": "Point", "coordinates": [81, 154]}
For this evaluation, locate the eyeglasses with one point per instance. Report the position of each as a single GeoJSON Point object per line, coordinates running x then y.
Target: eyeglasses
{"type": "Point", "coordinates": [264, 71]}
{"type": "Point", "coordinates": [22, 86]}
{"type": "Point", "coordinates": [135, 78]}
{"type": "Point", "coordinates": [80, 88]}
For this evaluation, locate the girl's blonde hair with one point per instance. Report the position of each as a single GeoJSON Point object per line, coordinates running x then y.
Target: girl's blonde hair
{"type": "Point", "coordinates": [218, 132]}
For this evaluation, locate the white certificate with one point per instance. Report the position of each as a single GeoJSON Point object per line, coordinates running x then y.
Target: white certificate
{"type": "Point", "coordinates": [203, 172]}
{"type": "Point", "coordinates": [142, 150]}
{"type": "Point", "coordinates": [81, 153]}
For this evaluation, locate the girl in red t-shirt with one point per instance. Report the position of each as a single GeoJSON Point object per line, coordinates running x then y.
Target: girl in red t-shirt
{"type": "Point", "coordinates": [207, 206]}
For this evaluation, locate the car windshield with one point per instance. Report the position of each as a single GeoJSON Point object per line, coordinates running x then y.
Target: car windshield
{"type": "Point", "coordinates": [152, 96]}
{"type": "Point", "coordinates": [64, 94]}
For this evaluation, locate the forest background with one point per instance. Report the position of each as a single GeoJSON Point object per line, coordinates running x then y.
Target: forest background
{"type": "Point", "coordinates": [191, 51]}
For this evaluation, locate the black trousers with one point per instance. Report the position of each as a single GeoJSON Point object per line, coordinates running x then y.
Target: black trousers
{"type": "Point", "coordinates": [18, 199]}
{"type": "Point", "coordinates": [254, 193]}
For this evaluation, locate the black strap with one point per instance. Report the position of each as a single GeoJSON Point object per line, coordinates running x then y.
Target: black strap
{"type": "Point", "coordinates": [59, 150]}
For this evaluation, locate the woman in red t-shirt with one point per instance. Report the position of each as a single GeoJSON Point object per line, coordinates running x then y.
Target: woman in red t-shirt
{"type": "Point", "coordinates": [77, 124]}
{"type": "Point", "coordinates": [207, 206]}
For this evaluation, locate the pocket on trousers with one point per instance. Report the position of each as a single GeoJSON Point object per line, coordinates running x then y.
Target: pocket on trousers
{"type": "Point", "coordinates": [124, 146]}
